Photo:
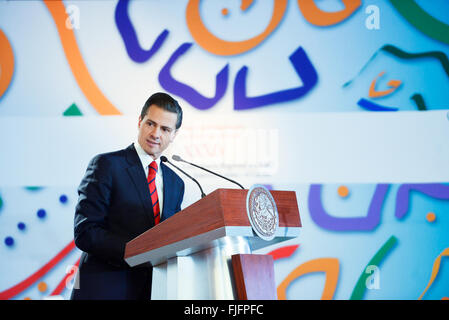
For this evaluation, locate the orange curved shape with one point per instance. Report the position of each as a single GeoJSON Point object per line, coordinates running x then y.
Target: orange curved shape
{"type": "Point", "coordinates": [6, 63]}
{"type": "Point", "coordinates": [435, 270]}
{"type": "Point", "coordinates": [394, 84]}
{"type": "Point", "coordinates": [76, 62]}
{"type": "Point", "coordinates": [221, 47]}
{"type": "Point", "coordinates": [245, 4]}
{"type": "Point", "coordinates": [321, 18]}
{"type": "Point", "coordinates": [330, 266]}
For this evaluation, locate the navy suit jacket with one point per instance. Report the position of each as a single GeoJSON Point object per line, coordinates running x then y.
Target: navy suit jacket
{"type": "Point", "coordinates": [114, 206]}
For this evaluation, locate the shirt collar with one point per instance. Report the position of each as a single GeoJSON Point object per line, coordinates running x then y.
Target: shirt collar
{"type": "Point", "coordinates": [145, 158]}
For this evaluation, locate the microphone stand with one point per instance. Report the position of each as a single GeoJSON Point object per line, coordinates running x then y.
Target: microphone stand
{"type": "Point", "coordinates": [164, 159]}
{"type": "Point", "coordinates": [178, 158]}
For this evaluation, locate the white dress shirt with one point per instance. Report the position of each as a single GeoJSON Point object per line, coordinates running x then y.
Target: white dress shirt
{"type": "Point", "coordinates": [146, 159]}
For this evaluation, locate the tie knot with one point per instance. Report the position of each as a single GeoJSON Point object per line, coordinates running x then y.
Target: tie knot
{"type": "Point", "coordinates": [153, 166]}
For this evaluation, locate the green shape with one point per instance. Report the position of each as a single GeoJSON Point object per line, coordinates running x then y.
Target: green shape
{"type": "Point", "coordinates": [33, 188]}
{"type": "Point", "coordinates": [72, 111]}
{"type": "Point", "coordinates": [359, 289]}
{"type": "Point", "coordinates": [419, 100]}
{"type": "Point", "coordinates": [439, 55]}
{"type": "Point", "coordinates": [1, 202]}
{"type": "Point", "coordinates": [399, 53]}
{"type": "Point", "coordinates": [421, 20]}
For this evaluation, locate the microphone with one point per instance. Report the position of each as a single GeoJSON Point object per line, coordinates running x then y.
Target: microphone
{"type": "Point", "coordinates": [164, 159]}
{"type": "Point", "coordinates": [178, 158]}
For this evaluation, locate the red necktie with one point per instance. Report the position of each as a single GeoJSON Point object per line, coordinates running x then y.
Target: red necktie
{"type": "Point", "coordinates": [152, 170]}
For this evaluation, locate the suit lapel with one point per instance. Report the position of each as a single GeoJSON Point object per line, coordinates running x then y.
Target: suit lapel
{"type": "Point", "coordinates": [137, 175]}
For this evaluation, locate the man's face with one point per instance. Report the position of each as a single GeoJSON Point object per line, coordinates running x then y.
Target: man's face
{"type": "Point", "coordinates": [156, 130]}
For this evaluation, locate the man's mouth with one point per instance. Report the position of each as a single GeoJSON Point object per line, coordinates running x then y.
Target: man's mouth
{"type": "Point", "coordinates": [152, 143]}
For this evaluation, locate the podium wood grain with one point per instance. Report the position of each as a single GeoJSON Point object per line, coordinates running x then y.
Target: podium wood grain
{"type": "Point", "coordinates": [254, 276]}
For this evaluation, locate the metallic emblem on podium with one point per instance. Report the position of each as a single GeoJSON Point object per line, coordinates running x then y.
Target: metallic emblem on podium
{"type": "Point", "coordinates": [262, 212]}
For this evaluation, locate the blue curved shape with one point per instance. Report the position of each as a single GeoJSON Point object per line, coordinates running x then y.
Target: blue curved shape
{"type": "Point", "coordinates": [129, 36]}
{"type": "Point", "coordinates": [303, 68]}
{"type": "Point", "coordinates": [185, 91]}
{"type": "Point", "coordinates": [366, 223]}
{"type": "Point", "coordinates": [433, 190]}
{"type": "Point", "coordinates": [371, 106]}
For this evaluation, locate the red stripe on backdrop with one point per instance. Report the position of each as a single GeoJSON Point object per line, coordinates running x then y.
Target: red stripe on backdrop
{"type": "Point", "coordinates": [283, 252]}
{"type": "Point", "coordinates": [21, 286]}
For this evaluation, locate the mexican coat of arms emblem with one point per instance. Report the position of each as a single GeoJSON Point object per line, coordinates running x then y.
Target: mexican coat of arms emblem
{"type": "Point", "coordinates": [262, 212]}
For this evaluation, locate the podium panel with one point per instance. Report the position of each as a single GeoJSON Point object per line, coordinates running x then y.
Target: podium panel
{"type": "Point", "coordinates": [203, 275]}
{"type": "Point", "coordinates": [249, 269]}
{"type": "Point", "coordinates": [191, 252]}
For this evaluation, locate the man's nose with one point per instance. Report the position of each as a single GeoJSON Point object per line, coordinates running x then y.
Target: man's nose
{"type": "Point", "coordinates": [156, 132]}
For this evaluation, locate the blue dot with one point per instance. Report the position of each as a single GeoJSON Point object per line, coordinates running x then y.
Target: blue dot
{"type": "Point", "coordinates": [63, 198]}
{"type": "Point", "coordinates": [41, 213]}
{"type": "Point", "coordinates": [9, 241]}
{"type": "Point", "coordinates": [21, 226]}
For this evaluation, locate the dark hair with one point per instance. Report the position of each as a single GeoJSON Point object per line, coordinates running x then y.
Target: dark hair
{"type": "Point", "coordinates": [166, 102]}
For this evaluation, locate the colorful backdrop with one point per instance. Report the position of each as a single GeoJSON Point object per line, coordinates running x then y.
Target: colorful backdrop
{"type": "Point", "coordinates": [346, 102]}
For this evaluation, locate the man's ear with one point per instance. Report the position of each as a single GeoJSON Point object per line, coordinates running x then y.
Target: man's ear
{"type": "Point", "coordinates": [175, 133]}
{"type": "Point", "coordinates": [140, 121]}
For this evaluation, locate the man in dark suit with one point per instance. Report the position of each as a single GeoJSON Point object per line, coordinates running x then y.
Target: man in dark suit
{"type": "Point", "coordinates": [123, 194]}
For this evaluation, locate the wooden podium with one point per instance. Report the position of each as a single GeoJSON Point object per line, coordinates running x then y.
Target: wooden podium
{"type": "Point", "coordinates": [204, 251]}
